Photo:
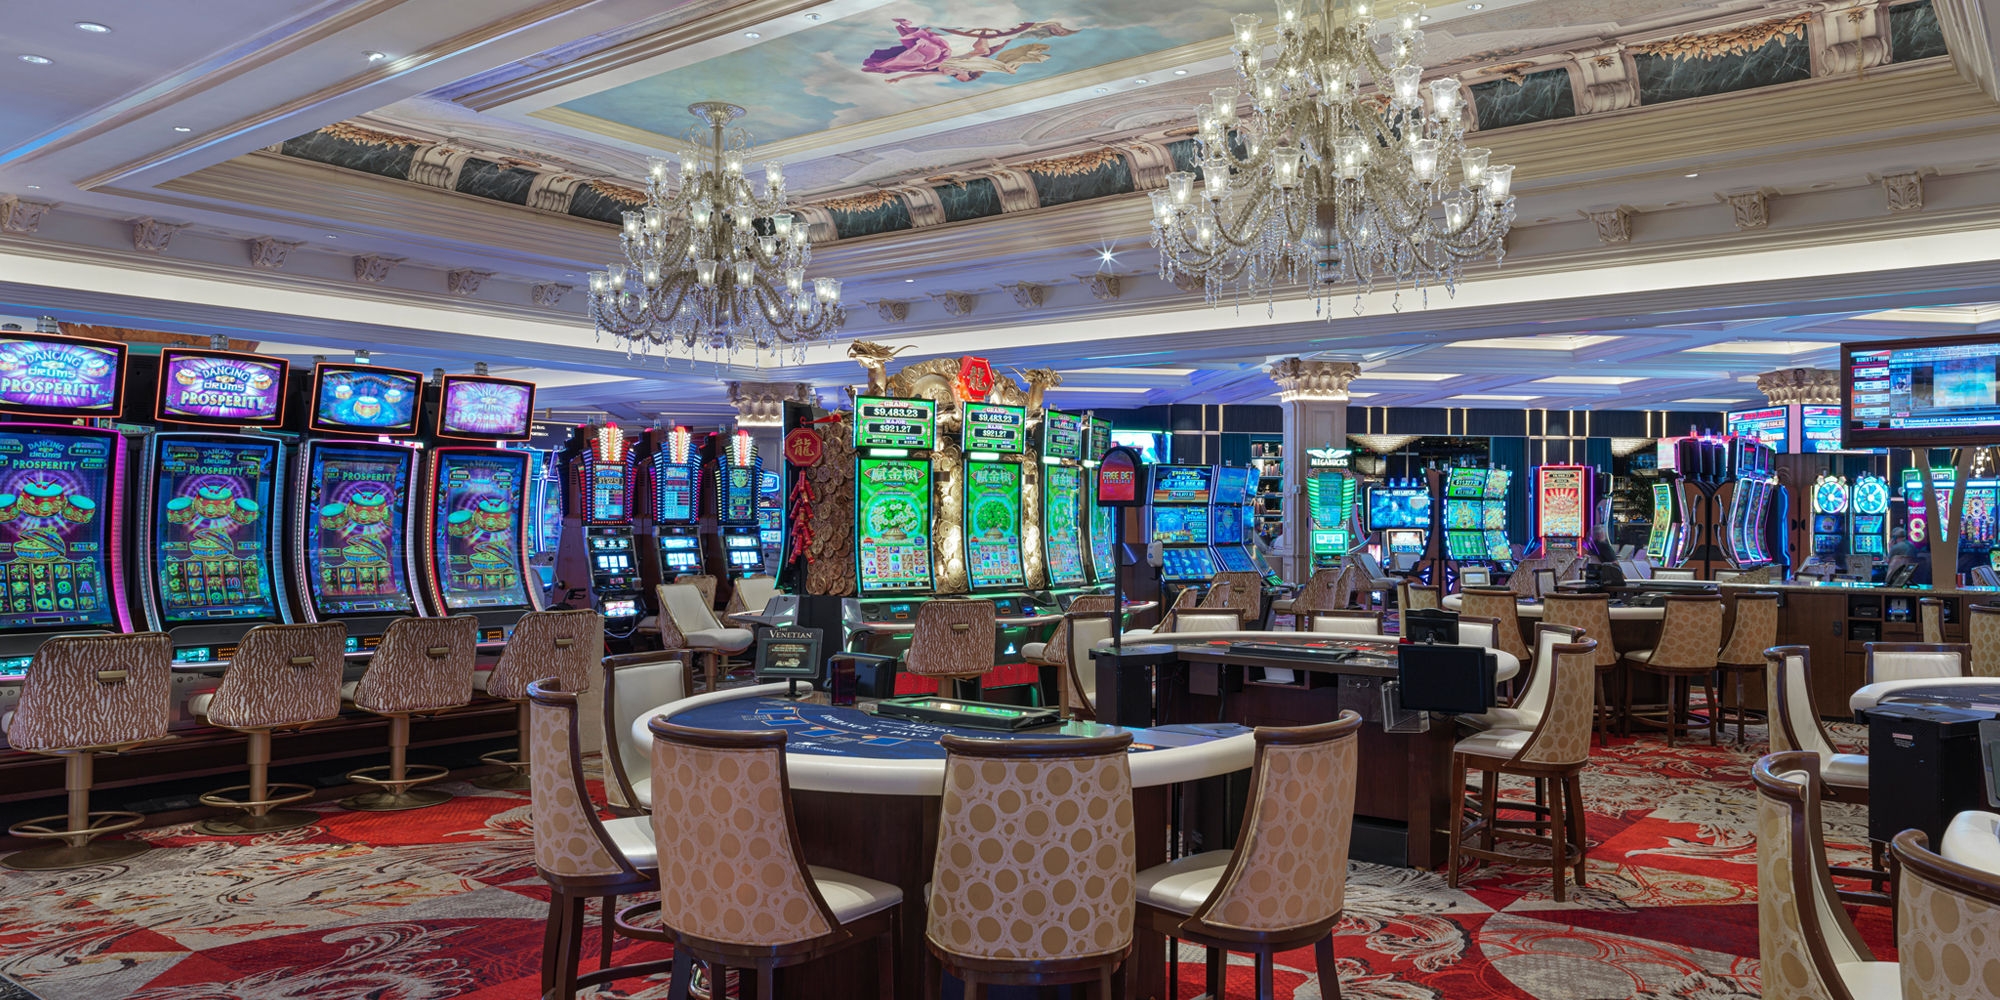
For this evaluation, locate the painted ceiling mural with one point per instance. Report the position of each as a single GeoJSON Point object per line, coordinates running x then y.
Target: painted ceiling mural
{"type": "Point", "coordinates": [904, 57]}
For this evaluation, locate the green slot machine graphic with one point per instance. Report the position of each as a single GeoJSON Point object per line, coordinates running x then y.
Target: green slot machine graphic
{"type": "Point", "coordinates": [893, 525]}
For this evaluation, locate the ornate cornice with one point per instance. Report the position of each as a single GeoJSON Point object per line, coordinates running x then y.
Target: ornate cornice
{"type": "Point", "coordinates": [1800, 385]}
{"type": "Point", "coordinates": [1299, 379]}
{"type": "Point", "coordinates": [762, 404]}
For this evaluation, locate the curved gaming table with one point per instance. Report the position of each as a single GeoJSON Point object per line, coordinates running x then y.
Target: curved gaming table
{"type": "Point", "coordinates": [1533, 609]}
{"type": "Point", "coordinates": [866, 791]}
{"type": "Point", "coordinates": [1950, 692]}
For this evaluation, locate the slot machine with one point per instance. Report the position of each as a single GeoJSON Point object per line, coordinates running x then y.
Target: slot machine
{"type": "Point", "coordinates": [1493, 519]}
{"type": "Point", "coordinates": [673, 472]}
{"type": "Point", "coordinates": [545, 518]}
{"type": "Point", "coordinates": [1399, 515]}
{"type": "Point", "coordinates": [598, 560]}
{"type": "Point", "coordinates": [353, 547]}
{"type": "Point", "coordinates": [1565, 501]}
{"type": "Point", "coordinates": [736, 475]}
{"type": "Point", "coordinates": [1179, 522]}
{"type": "Point", "coordinates": [1064, 483]}
{"type": "Point", "coordinates": [1661, 538]}
{"type": "Point", "coordinates": [1976, 527]}
{"type": "Point", "coordinates": [1868, 528]}
{"type": "Point", "coordinates": [1103, 534]}
{"type": "Point", "coordinates": [476, 505]}
{"type": "Point", "coordinates": [1464, 516]}
{"type": "Point", "coordinates": [211, 498]}
{"type": "Point", "coordinates": [1330, 489]}
{"type": "Point", "coordinates": [1747, 495]}
{"type": "Point", "coordinates": [992, 438]}
{"type": "Point", "coordinates": [1230, 519]}
{"type": "Point", "coordinates": [894, 504]}
{"type": "Point", "coordinates": [1830, 502]}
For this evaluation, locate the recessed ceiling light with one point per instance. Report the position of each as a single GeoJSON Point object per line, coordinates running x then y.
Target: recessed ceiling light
{"type": "Point", "coordinates": [1822, 184]}
{"type": "Point", "coordinates": [1707, 402]}
{"type": "Point", "coordinates": [1408, 376]}
{"type": "Point", "coordinates": [37, 60]}
{"type": "Point", "coordinates": [182, 128]}
{"type": "Point", "coordinates": [1675, 204]}
{"type": "Point", "coordinates": [34, 187]}
{"type": "Point", "coordinates": [93, 27]}
{"type": "Point", "coordinates": [373, 56]}
{"type": "Point", "coordinates": [753, 34]}
{"type": "Point", "coordinates": [1546, 218]}
{"type": "Point", "coordinates": [1142, 80]}
{"type": "Point", "coordinates": [1180, 72]}
{"type": "Point", "coordinates": [1590, 380]}
{"type": "Point", "coordinates": [1104, 90]}
{"type": "Point", "coordinates": [1475, 6]}
{"type": "Point", "coordinates": [1691, 175]}
{"type": "Point", "coordinates": [909, 281]}
{"type": "Point", "coordinates": [1495, 397]}
{"type": "Point", "coordinates": [814, 16]}
{"type": "Point", "coordinates": [331, 236]}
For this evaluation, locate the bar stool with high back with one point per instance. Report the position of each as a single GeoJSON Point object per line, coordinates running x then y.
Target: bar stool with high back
{"type": "Point", "coordinates": [1533, 683]}
{"type": "Point", "coordinates": [1319, 593]}
{"type": "Point", "coordinates": [564, 646]}
{"type": "Point", "coordinates": [1808, 946]}
{"type": "Point", "coordinates": [1982, 633]}
{"type": "Point", "coordinates": [703, 582]}
{"type": "Point", "coordinates": [1669, 573]}
{"type": "Point", "coordinates": [580, 856]}
{"type": "Point", "coordinates": [1546, 581]}
{"type": "Point", "coordinates": [1755, 631]}
{"type": "Point", "coordinates": [1354, 588]}
{"type": "Point", "coordinates": [282, 678]}
{"type": "Point", "coordinates": [1284, 884]}
{"type": "Point", "coordinates": [1245, 595]}
{"type": "Point", "coordinates": [1590, 614]}
{"type": "Point", "coordinates": [1346, 622]}
{"type": "Point", "coordinates": [1930, 613]}
{"type": "Point", "coordinates": [1041, 829]}
{"type": "Point", "coordinates": [953, 640]}
{"type": "Point", "coordinates": [735, 888]}
{"type": "Point", "coordinates": [1416, 597]}
{"type": "Point", "coordinates": [1055, 652]}
{"type": "Point", "coordinates": [1842, 777]}
{"type": "Point", "coordinates": [423, 667]}
{"type": "Point", "coordinates": [1080, 633]}
{"type": "Point", "coordinates": [86, 696]}
{"type": "Point", "coordinates": [751, 595]}
{"type": "Point", "coordinates": [1498, 604]}
{"type": "Point", "coordinates": [1913, 661]}
{"type": "Point", "coordinates": [1947, 919]}
{"type": "Point", "coordinates": [1690, 638]}
{"type": "Point", "coordinates": [636, 684]}
{"type": "Point", "coordinates": [1553, 756]}
{"type": "Point", "coordinates": [687, 621]}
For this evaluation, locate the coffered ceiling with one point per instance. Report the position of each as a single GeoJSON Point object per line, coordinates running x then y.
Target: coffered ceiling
{"type": "Point", "coordinates": [1708, 189]}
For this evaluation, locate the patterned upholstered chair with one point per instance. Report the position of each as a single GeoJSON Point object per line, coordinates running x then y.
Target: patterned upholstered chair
{"type": "Point", "coordinates": [1755, 631]}
{"type": "Point", "coordinates": [1186, 600]}
{"type": "Point", "coordinates": [1354, 588]}
{"type": "Point", "coordinates": [953, 640]}
{"type": "Point", "coordinates": [1808, 945]}
{"type": "Point", "coordinates": [1552, 756]}
{"type": "Point", "coordinates": [1476, 631]}
{"type": "Point", "coordinates": [1913, 661]}
{"type": "Point", "coordinates": [1930, 613]}
{"type": "Point", "coordinates": [735, 887]}
{"type": "Point", "coordinates": [1223, 620]}
{"type": "Point", "coordinates": [283, 677]}
{"type": "Point", "coordinates": [687, 621]}
{"type": "Point", "coordinates": [1841, 777]}
{"type": "Point", "coordinates": [1947, 924]}
{"type": "Point", "coordinates": [1485, 602]}
{"type": "Point", "coordinates": [564, 646]}
{"type": "Point", "coordinates": [85, 696]}
{"type": "Point", "coordinates": [1284, 884]}
{"type": "Point", "coordinates": [1536, 671]}
{"type": "Point", "coordinates": [579, 855]}
{"type": "Point", "coordinates": [1591, 615]}
{"type": "Point", "coordinates": [1245, 596]}
{"type": "Point", "coordinates": [1066, 804]}
{"type": "Point", "coordinates": [1346, 622]}
{"type": "Point", "coordinates": [1546, 580]}
{"type": "Point", "coordinates": [1982, 632]}
{"type": "Point", "coordinates": [1417, 597]}
{"type": "Point", "coordinates": [1320, 592]}
{"type": "Point", "coordinates": [1055, 652]}
{"type": "Point", "coordinates": [1690, 638]}
{"type": "Point", "coordinates": [1669, 573]}
{"type": "Point", "coordinates": [635, 684]}
{"type": "Point", "coordinates": [1082, 629]}
{"type": "Point", "coordinates": [423, 667]}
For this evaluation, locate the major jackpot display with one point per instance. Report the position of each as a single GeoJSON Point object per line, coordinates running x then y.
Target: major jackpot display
{"type": "Point", "coordinates": [892, 524]}
{"type": "Point", "coordinates": [356, 505]}
{"type": "Point", "coordinates": [1562, 501]}
{"type": "Point", "coordinates": [993, 526]}
{"type": "Point", "coordinates": [57, 486]}
{"type": "Point", "coordinates": [476, 539]}
{"type": "Point", "coordinates": [212, 529]}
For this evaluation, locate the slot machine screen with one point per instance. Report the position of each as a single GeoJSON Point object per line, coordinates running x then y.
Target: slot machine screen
{"type": "Point", "coordinates": [1464, 515]}
{"type": "Point", "coordinates": [212, 525]}
{"type": "Point", "coordinates": [1188, 564]}
{"type": "Point", "coordinates": [476, 539]}
{"type": "Point", "coordinates": [1398, 507]}
{"type": "Point", "coordinates": [1062, 534]}
{"type": "Point", "coordinates": [1180, 525]}
{"type": "Point", "coordinates": [1408, 542]}
{"type": "Point", "coordinates": [1978, 526]}
{"type": "Point", "coordinates": [1064, 434]}
{"type": "Point", "coordinates": [993, 525]}
{"type": "Point", "coordinates": [1227, 525]}
{"type": "Point", "coordinates": [608, 486]}
{"type": "Point", "coordinates": [356, 505]}
{"type": "Point", "coordinates": [739, 494]}
{"type": "Point", "coordinates": [1103, 539]}
{"type": "Point", "coordinates": [56, 487]}
{"type": "Point", "coordinates": [1235, 559]}
{"type": "Point", "coordinates": [1183, 484]}
{"type": "Point", "coordinates": [1466, 483]}
{"type": "Point", "coordinates": [1562, 498]}
{"type": "Point", "coordinates": [1663, 523]}
{"type": "Point", "coordinates": [220, 387]}
{"type": "Point", "coordinates": [1498, 548]}
{"type": "Point", "coordinates": [892, 525]}
{"type": "Point", "coordinates": [61, 376]}
{"type": "Point", "coordinates": [673, 492]}
{"type": "Point", "coordinates": [364, 399]}
{"type": "Point", "coordinates": [481, 408]}
{"type": "Point", "coordinates": [680, 554]}
{"type": "Point", "coordinates": [745, 552]}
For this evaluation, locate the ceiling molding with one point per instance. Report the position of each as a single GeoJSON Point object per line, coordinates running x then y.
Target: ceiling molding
{"type": "Point", "coordinates": [1973, 41]}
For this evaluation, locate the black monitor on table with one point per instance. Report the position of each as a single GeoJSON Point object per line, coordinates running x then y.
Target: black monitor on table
{"type": "Point", "coordinates": [1451, 679]}
{"type": "Point", "coordinates": [1431, 625]}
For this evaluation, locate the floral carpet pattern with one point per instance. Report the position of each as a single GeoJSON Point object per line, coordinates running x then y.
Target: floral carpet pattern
{"type": "Point", "coordinates": [444, 903]}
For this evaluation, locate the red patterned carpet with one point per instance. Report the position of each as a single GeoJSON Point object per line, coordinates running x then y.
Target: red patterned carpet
{"type": "Point", "coordinates": [443, 903]}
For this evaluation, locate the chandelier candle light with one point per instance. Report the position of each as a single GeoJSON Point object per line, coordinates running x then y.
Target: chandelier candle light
{"type": "Point", "coordinates": [1321, 185]}
{"type": "Point", "coordinates": [711, 266]}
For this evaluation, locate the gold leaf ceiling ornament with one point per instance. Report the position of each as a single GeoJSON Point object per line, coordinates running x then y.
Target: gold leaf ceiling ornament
{"type": "Point", "coordinates": [1730, 41]}
{"type": "Point", "coordinates": [367, 136]}
{"type": "Point", "coordinates": [1070, 166]}
{"type": "Point", "coordinates": [1383, 444]}
{"type": "Point", "coordinates": [867, 201]}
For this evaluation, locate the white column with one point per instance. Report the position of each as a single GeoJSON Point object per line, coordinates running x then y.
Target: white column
{"type": "Point", "coordinates": [1314, 397]}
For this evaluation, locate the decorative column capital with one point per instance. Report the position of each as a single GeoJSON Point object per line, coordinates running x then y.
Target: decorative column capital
{"type": "Point", "coordinates": [1816, 386]}
{"type": "Point", "coordinates": [1300, 379]}
{"type": "Point", "coordinates": [762, 404]}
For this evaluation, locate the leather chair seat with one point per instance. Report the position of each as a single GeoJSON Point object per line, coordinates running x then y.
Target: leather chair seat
{"type": "Point", "coordinates": [633, 836]}
{"type": "Point", "coordinates": [1848, 770]}
{"type": "Point", "coordinates": [1500, 744]}
{"type": "Point", "coordinates": [852, 896]}
{"type": "Point", "coordinates": [1182, 885]}
{"type": "Point", "coordinates": [729, 640]}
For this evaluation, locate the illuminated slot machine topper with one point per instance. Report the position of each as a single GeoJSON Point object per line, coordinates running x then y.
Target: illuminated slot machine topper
{"type": "Point", "coordinates": [211, 530]}
{"type": "Point", "coordinates": [355, 530]}
{"type": "Point", "coordinates": [992, 429]}
{"type": "Point", "coordinates": [220, 388]}
{"type": "Point", "coordinates": [483, 408]}
{"type": "Point", "coordinates": [477, 531]}
{"type": "Point", "coordinates": [992, 529]}
{"type": "Point", "coordinates": [46, 374]}
{"type": "Point", "coordinates": [365, 400]}
{"type": "Point", "coordinates": [1869, 526]}
{"type": "Point", "coordinates": [739, 474]}
{"type": "Point", "coordinates": [607, 470]}
{"type": "Point", "coordinates": [1564, 499]}
{"type": "Point", "coordinates": [1399, 506]}
{"type": "Point", "coordinates": [893, 505]}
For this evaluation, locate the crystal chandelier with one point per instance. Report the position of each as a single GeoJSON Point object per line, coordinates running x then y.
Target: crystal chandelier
{"type": "Point", "coordinates": [711, 266]}
{"type": "Point", "coordinates": [1321, 185]}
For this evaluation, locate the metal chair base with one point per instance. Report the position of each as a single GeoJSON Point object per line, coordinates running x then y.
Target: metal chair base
{"type": "Point", "coordinates": [414, 798]}
{"type": "Point", "coordinates": [79, 834]}
{"type": "Point", "coordinates": [514, 779]}
{"type": "Point", "coordinates": [55, 857]}
{"type": "Point", "coordinates": [250, 825]}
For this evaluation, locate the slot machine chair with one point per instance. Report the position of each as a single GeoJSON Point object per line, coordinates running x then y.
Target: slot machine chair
{"type": "Point", "coordinates": [1930, 611]}
{"type": "Point", "coordinates": [687, 621]}
{"type": "Point", "coordinates": [1245, 596]}
{"type": "Point", "coordinates": [562, 646]}
{"type": "Point", "coordinates": [703, 582]}
{"type": "Point", "coordinates": [953, 640]}
{"type": "Point", "coordinates": [283, 678]}
{"type": "Point", "coordinates": [1982, 632]}
{"type": "Point", "coordinates": [1940, 899]}
{"type": "Point", "coordinates": [751, 595]}
{"type": "Point", "coordinates": [86, 696]}
{"type": "Point", "coordinates": [423, 667]}
{"type": "Point", "coordinates": [1590, 614]}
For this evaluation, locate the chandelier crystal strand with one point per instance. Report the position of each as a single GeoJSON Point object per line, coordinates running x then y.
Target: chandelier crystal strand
{"type": "Point", "coordinates": [1323, 185]}
{"type": "Point", "coordinates": [709, 266]}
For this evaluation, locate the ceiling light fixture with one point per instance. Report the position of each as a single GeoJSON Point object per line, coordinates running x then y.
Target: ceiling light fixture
{"type": "Point", "coordinates": [1180, 72]}
{"type": "Point", "coordinates": [1142, 80]}
{"type": "Point", "coordinates": [813, 16]}
{"type": "Point", "coordinates": [1691, 175]}
{"type": "Point", "coordinates": [710, 265]}
{"type": "Point", "coordinates": [373, 56]}
{"type": "Point", "coordinates": [93, 27]}
{"type": "Point", "coordinates": [182, 128]}
{"type": "Point", "coordinates": [1475, 6]}
{"type": "Point", "coordinates": [36, 60]}
{"type": "Point", "coordinates": [753, 34]}
{"type": "Point", "coordinates": [1323, 186]}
